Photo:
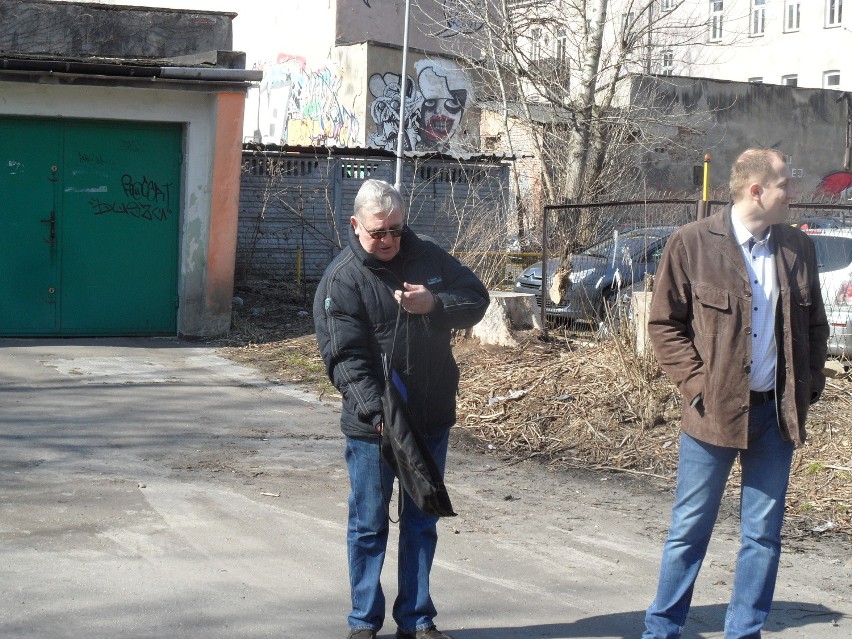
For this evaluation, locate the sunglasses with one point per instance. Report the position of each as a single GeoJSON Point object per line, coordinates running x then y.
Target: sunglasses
{"type": "Point", "coordinates": [380, 234]}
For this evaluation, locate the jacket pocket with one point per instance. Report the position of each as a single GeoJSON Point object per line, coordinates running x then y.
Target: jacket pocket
{"type": "Point", "coordinates": [800, 314]}
{"type": "Point", "coordinates": [711, 306]}
{"type": "Point", "coordinates": [802, 297]}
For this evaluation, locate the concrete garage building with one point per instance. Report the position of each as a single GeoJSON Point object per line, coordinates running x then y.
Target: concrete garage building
{"type": "Point", "coordinates": [120, 154]}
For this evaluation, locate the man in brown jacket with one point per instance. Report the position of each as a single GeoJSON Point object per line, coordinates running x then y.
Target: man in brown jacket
{"type": "Point", "coordinates": [737, 322]}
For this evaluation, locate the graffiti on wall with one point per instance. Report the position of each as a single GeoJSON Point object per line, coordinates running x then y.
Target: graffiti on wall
{"type": "Point", "coordinates": [458, 19]}
{"type": "Point", "coordinates": [836, 184]}
{"type": "Point", "coordinates": [301, 106]}
{"type": "Point", "coordinates": [435, 105]}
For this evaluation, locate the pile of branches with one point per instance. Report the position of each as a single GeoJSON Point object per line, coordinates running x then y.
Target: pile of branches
{"type": "Point", "coordinates": [595, 405]}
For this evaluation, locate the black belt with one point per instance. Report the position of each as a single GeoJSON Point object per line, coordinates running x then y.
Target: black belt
{"type": "Point", "coordinates": [757, 398]}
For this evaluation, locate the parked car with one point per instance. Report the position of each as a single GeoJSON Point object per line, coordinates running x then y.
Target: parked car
{"type": "Point", "coordinates": [599, 273]}
{"type": "Point", "coordinates": [834, 259]}
{"type": "Point", "coordinates": [817, 222]}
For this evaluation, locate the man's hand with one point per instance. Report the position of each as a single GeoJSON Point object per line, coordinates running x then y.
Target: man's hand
{"type": "Point", "coordinates": [415, 299]}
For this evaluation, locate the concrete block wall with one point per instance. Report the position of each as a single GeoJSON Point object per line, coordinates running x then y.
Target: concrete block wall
{"type": "Point", "coordinates": [295, 208]}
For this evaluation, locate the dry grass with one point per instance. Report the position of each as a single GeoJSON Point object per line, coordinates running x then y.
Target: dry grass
{"type": "Point", "coordinates": [574, 401]}
{"type": "Point", "coordinates": [583, 405]}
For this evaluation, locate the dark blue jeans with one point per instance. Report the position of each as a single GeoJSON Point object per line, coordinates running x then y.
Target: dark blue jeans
{"type": "Point", "coordinates": [371, 482]}
{"type": "Point", "coordinates": [703, 471]}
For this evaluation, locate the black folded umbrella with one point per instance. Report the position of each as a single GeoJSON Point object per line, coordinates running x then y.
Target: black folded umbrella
{"type": "Point", "coordinates": [404, 449]}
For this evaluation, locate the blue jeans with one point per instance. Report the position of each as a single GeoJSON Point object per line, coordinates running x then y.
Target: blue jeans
{"type": "Point", "coordinates": [371, 482]}
{"type": "Point", "coordinates": [703, 471]}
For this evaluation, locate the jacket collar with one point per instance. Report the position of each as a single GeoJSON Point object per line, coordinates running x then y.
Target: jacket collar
{"type": "Point", "coordinates": [410, 245]}
{"type": "Point", "coordinates": [726, 241]}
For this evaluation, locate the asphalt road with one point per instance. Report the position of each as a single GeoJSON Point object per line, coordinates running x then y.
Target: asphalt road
{"type": "Point", "coordinates": [152, 488]}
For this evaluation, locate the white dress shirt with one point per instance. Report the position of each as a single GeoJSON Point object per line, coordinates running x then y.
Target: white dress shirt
{"type": "Point", "coordinates": [760, 264]}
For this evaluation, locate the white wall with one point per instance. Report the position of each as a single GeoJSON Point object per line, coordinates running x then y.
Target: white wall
{"type": "Point", "coordinates": [807, 52]}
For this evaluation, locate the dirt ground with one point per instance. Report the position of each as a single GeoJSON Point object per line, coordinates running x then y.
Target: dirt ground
{"type": "Point", "coordinates": [572, 404]}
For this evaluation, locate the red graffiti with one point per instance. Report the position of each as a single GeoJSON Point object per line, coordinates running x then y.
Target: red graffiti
{"type": "Point", "coordinates": [835, 184]}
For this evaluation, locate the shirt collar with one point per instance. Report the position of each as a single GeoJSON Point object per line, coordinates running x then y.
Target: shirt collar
{"type": "Point", "coordinates": [742, 234]}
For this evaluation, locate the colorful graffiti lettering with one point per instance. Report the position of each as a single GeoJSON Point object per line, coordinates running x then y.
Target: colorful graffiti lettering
{"type": "Point", "coordinates": [434, 107]}
{"type": "Point", "coordinates": [299, 106]}
{"type": "Point", "coordinates": [837, 184]}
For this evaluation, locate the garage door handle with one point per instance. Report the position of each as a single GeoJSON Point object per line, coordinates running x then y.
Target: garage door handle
{"type": "Point", "coordinates": [52, 222]}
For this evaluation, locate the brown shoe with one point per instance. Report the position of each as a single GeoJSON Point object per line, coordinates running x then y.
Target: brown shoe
{"type": "Point", "coordinates": [361, 633]}
{"type": "Point", "coordinates": [430, 633]}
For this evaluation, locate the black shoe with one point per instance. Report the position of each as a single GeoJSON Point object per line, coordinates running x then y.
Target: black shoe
{"type": "Point", "coordinates": [361, 633]}
{"type": "Point", "coordinates": [430, 633]}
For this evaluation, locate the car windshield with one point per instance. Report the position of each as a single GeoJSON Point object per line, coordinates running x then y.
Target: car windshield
{"type": "Point", "coordinates": [833, 253]}
{"type": "Point", "coordinates": [632, 243]}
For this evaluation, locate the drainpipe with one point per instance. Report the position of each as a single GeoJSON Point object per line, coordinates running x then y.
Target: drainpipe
{"type": "Point", "coordinates": [847, 156]}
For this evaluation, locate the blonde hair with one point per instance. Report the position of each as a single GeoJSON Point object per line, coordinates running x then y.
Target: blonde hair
{"type": "Point", "coordinates": [752, 165]}
{"type": "Point", "coordinates": [377, 192]}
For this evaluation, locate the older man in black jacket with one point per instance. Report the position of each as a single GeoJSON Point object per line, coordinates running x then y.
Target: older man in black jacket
{"type": "Point", "coordinates": [356, 312]}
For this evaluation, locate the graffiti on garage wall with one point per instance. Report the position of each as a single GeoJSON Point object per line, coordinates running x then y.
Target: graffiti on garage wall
{"type": "Point", "coordinates": [301, 106]}
{"type": "Point", "coordinates": [435, 105]}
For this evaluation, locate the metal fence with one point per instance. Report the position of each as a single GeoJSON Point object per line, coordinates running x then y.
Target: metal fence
{"type": "Point", "coordinates": [574, 228]}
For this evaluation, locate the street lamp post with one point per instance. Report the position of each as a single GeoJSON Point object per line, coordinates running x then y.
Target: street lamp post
{"type": "Point", "coordinates": [402, 78]}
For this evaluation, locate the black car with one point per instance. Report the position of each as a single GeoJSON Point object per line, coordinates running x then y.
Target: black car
{"type": "Point", "coordinates": [599, 273]}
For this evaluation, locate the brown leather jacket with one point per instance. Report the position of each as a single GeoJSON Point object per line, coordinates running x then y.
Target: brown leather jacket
{"type": "Point", "coordinates": [700, 320]}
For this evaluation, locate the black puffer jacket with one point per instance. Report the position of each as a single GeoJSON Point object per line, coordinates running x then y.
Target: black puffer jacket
{"type": "Point", "coordinates": [355, 314]}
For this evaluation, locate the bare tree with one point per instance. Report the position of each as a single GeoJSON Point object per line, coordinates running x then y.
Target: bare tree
{"type": "Point", "coordinates": [556, 67]}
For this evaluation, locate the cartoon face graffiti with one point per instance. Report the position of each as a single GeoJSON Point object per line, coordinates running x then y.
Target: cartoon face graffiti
{"type": "Point", "coordinates": [385, 112]}
{"type": "Point", "coordinates": [443, 107]}
{"type": "Point", "coordinates": [434, 107]}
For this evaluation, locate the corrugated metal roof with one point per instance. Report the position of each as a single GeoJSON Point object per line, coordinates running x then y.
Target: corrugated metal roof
{"type": "Point", "coordinates": [494, 158]}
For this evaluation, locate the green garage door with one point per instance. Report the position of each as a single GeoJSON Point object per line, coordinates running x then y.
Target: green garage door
{"type": "Point", "coordinates": [90, 212]}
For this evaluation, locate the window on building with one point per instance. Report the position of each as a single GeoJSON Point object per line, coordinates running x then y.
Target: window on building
{"type": "Point", "coordinates": [758, 17]}
{"type": "Point", "coordinates": [562, 63]}
{"type": "Point", "coordinates": [756, 80]}
{"type": "Point", "coordinates": [667, 5]}
{"type": "Point", "coordinates": [790, 80]}
{"type": "Point", "coordinates": [562, 47]}
{"type": "Point", "coordinates": [833, 13]}
{"type": "Point", "coordinates": [792, 15]}
{"type": "Point", "coordinates": [535, 37]}
{"type": "Point", "coordinates": [668, 63]}
{"type": "Point", "coordinates": [716, 10]}
{"type": "Point", "coordinates": [561, 44]}
{"type": "Point", "coordinates": [831, 80]}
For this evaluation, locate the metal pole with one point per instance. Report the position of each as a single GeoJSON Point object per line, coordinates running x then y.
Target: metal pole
{"type": "Point", "coordinates": [544, 291]}
{"type": "Point", "coordinates": [704, 203]}
{"type": "Point", "coordinates": [402, 77]}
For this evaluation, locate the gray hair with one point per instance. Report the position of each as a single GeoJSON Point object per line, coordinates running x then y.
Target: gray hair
{"type": "Point", "coordinates": [377, 192]}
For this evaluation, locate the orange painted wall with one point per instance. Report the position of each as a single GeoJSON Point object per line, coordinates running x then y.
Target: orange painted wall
{"type": "Point", "coordinates": [224, 207]}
